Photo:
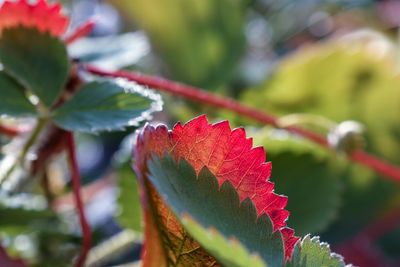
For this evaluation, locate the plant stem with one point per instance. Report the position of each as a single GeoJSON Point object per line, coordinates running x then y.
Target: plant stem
{"type": "Point", "coordinates": [9, 131]}
{"type": "Point", "coordinates": [41, 123]}
{"type": "Point", "coordinates": [35, 134]}
{"type": "Point", "coordinates": [198, 95]}
{"type": "Point", "coordinates": [86, 232]}
{"type": "Point", "coordinates": [81, 31]}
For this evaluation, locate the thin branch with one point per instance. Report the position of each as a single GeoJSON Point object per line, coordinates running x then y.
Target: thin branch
{"type": "Point", "coordinates": [41, 123]}
{"type": "Point", "coordinates": [198, 95]}
{"type": "Point", "coordinates": [82, 31]}
{"type": "Point", "coordinates": [86, 232]}
{"type": "Point", "coordinates": [9, 131]}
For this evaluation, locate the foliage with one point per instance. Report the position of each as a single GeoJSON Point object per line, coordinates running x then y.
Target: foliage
{"type": "Point", "coordinates": [130, 214]}
{"type": "Point", "coordinates": [313, 197]}
{"type": "Point", "coordinates": [315, 79]}
{"type": "Point", "coordinates": [199, 40]}
{"type": "Point", "coordinates": [311, 252]}
{"type": "Point", "coordinates": [179, 185]}
{"type": "Point", "coordinates": [105, 105]}
{"type": "Point", "coordinates": [201, 193]}
{"type": "Point", "coordinates": [41, 67]}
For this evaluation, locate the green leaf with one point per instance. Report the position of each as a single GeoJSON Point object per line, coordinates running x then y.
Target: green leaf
{"type": "Point", "coordinates": [37, 60]}
{"type": "Point", "coordinates": [364, 195]}
{"type": "Point", "coordinates": [201, 42]}
{"type": "Point", "coordinates": [214, 206]}
{"type": "Point", "coordinates": [13, 101]}
{"type": "Point", "coordinates": [22, 217]}
{"type": "Point", "coordinates": [314, 196]}
{"type": "Point", "coordinates": [228, 252]}
{"type": "Point", "coordinates": [111, 52]}
{"type": "Point", "coordinates": [130, 211]}
{"type": "Point", "coordinates": [106, 105]}
{"type": "Point", "coordinates": [311, 252]}
{"type": "Point", "coordinates": [317, 77]}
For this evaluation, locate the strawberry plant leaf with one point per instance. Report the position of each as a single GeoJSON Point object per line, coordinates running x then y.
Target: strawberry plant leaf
{"type": "Point", "coordinates": [364, 195]}
{"type": "Point", "coordinates": [313, 196]}
{"type": "Point", "coordinates": [229, 252]}
{"type": "Point", "coordinates": [312, 252]}
{"type": "Point", "coordinates": [130, 213]}
{"type": "Point", "coordinates": [213, 206]}
{"type": "Point", "coordinates": [227, 154]}
{"type": "Point", "coordinates": [107, 105]}
{"type": "Point", "coordinates": [21, 217]}
{"type": "Point", "coordinates": [312, 81]}
{"type": "Point", "coordinates": [111, 52]}
{"type": "Point", "coordinates": [206, 56]}
{"type": "Point", "coordinates": [36, 60]}
{"type": "Point", "coordinates": [13, 101]}
{"type": "Point", "coordinates": [42, 15]}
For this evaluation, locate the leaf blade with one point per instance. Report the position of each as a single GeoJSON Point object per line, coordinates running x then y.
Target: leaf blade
{"type": "Point", "coordinates": [228, 252]}
{"type": "Point", "coordinates": [106, 105]}
{"type": "Point", "coordinates": [315, 195]}
{"type": "Point", "coordinates": [219, 207]}
{"type": "Point", "coordinates": [42, 66]}
{"type": "Point", "coordinates": [228, 154]}
{"type": "Point", "coordinates": [311, 252]}
{"type": "Point", "coordinates": [13, 101]}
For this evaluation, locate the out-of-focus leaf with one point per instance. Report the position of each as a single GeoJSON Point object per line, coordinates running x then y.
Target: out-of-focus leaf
{"type": "Point", "coordinates": [22, 217]}
{"type": "Point", "coordinates": [351, 73]}
{"type": "Point", "coordinates": [390, 242]}
{"type": "Point", "coordinates": [44, 16]}
{"type": "Point", "coordinates": [201, 41]}
{"type": "Point", "coordinates": [304, 172]}
{"type": "Point", "coordinates": [212, 206]}
{"type": "Point", "coordinates": [107, 105]}
{"type": "Point", "coordinates": [364, 195]}
{"type": "Point", "coordinates": [6, 261]}
{"type": "Point", "coordinates": [130, 211]}
{"type": "Point", "coordinates": [57, 248]}
{"type": "Point", "coordinates": [228, 252]}
{"type": "Point", "coordinates": [13, 101]}
{"type": "Point", "coordinates": [312, 252]}
{"type": "Point", "coordinates": [36, 60]}
{"type": "Point", "coordinates": [111, 52]}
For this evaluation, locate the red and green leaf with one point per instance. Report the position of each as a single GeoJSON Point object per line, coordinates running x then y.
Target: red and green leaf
{"type": "Point", "coordinates": [41, 15]}
{"type": "Point", "coordinates": [229, 157]}
{"type": "Point", "coordinates": [214, 207]}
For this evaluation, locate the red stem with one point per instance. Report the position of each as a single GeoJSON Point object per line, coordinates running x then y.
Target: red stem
{"type": "Point", "coordinates": [80, 32]}
{"type": "Point", "coordinates": [198, 95]}
{"type": "Point", "coordinates": [9, 131]}
{"type": "Point", "coordinates": [86, 232]}
{"type": "Point", "coordinates": [378, 165]}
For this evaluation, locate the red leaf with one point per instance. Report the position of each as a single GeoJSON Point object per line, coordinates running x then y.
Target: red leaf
{"type": "Point", "coordinates": [229, 155]}
{"type": "Point", "coordinates": [41, 15]}
{"type": "Point", "coordinates": [6, 261]}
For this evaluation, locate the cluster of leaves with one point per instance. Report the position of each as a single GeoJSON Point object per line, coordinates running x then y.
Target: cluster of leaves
{"type": "Point", "coordinates": [39, 82]}
{"type": "Point", "coordinates": [206, 194]}
{"type": "Point", "coordinates": [42, 69]}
